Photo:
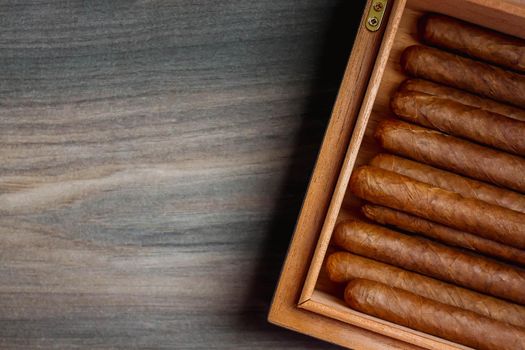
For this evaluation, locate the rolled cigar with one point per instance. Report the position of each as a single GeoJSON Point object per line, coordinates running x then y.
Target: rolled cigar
{"type": "Point", "coordinates": [461, 96]}
{"type": "Point", "coordinates": [445, 234]}
{"type": "Point", "coordinates": [344, 267]}
{"type": "Point", "coordinates": [472, 40]}
{"type": "Point", "coordinates": [464, 73]}
{"type": "Point", "coordinates": [432, 317]}
{"type": "Point", "coordinates": [451, 153]}
{"type": "Point", "coordinates": [457, 119]}
{"type": "Point", "coordinates": [435, 204]}
{"type": "Point", "coordinates": [449, 181]}
{"type": "Point", "coordinates": [432, 259]}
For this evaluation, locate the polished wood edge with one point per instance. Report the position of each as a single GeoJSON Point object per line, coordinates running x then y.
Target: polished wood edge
{"type": "Point", "coordinates": [394, 19]}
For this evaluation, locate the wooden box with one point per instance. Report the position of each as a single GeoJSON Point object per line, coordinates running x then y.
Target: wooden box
{"type": "Point", "coordinates": [305, 300]}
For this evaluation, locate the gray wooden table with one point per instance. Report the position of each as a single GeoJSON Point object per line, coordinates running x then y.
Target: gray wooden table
{"type": "Point", "coordinates": [153, 159]}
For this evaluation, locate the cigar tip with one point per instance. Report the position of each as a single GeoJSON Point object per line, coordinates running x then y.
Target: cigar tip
{"type": "Point", "coordinates": [355, 224]}
{"type": "Point", "coordinates": [331, 264]}
{"type": "Point", "coordinates": [406, 85]}
{"type": "Point", "coordinates": [348, 295]}
{"type": "Point", "coordinates": [358, 178]}
{"type": "Point", "coordinates": [336, 267]}
{"type": "Point", "coordinates": [427, 26]}
{"type": "Point", "coordinates": [410, 54]}
{"type": "Point", "coordinates": [357, 288]}
{"type": "Point", "coordinates": [339, 234]}
{"type": "Point", "coordinates": [406, 57]}
{"type": "Point", "coordinates": [396, 101]}
{"type": "Point", "coordinates": [377, 159]}
{"type": "Point", "coordinates": [383, 128]}
{"type": "Point", "coordinates": [342, 230]}
{"type": "Point", "coordinates": [379, 132]}
{"type": "Point", "coordinates": [384, 161]}
{"type": "Point", "coordinates": [367, 210]}
{"type": "Point", "coordinates": [354, 178]}
{"type": "Point", "coordinates": [352, 284]}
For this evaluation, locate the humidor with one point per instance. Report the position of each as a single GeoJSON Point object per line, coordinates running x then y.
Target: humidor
{"type": "Point", "coordinates": [305, 300]}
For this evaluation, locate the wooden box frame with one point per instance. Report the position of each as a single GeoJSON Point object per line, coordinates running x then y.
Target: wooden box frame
{"type": "Point", "coordinates": [370, 77]}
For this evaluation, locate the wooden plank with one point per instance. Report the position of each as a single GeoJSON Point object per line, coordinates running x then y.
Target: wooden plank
{"type": "Point", "coordinates": [153, 159]}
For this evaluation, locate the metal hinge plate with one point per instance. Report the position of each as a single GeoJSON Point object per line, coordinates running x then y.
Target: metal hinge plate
{"type": "Point", "coordinates": [375, 15]}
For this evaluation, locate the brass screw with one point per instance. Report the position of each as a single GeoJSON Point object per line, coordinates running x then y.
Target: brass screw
{"type": "Point", "coordinates": [373, 21]}
{"type": "Point", "coordinates": [378, 6]}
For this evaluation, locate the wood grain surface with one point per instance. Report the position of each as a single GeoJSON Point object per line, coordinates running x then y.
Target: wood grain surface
{"type": "Point", "coordinates": [153, 159]}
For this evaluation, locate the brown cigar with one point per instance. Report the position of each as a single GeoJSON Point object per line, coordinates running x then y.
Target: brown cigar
{"type": "Point", "coordinates": [343, 267]}
{"type": "Point", "coordinates": [449, 181]}
{"type": "Point", "coordinates": [435, 204]}
{"type": "Point", "coordinates": [432, 317]}
{"type": "Point", "coordinates": [461, 120]}
{"type": "Point", "coordinates": [451, 153]}
{"type": "Point", "coordinates": [464, 73]}
{"type": "Point", "coordinates": [474, 41]}
{"type": "Point", "coordinates": [445, 234]}
{"type": "Point", "coordinates": [461, 96]}
{"type": "Point", "coordinates": [432, 259]}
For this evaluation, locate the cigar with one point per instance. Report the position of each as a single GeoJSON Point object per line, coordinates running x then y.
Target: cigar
{"type": "Point", "coordinates": [344, 267]}
{"type": "Point", "coordinates": [452, 182]}
{"type": "Point", "coordinates": [400, 192]}
{"type": "Point", "coordinates": [464, 73]}
{"type": "Point", "coordinates": [410, 223]}
{"type": "Point", "coordinates": [432, 259]}
{"type": "Point", "coordinates": [432, 317]}
{"type": "Point", "coordinates": [461, 120]}
{"type": "Point", "coordinates": [472, 40]}
{"type": "Point", "coordinates": [451, 153]}
{"type": "Point", "coordinates": [463, 97]}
